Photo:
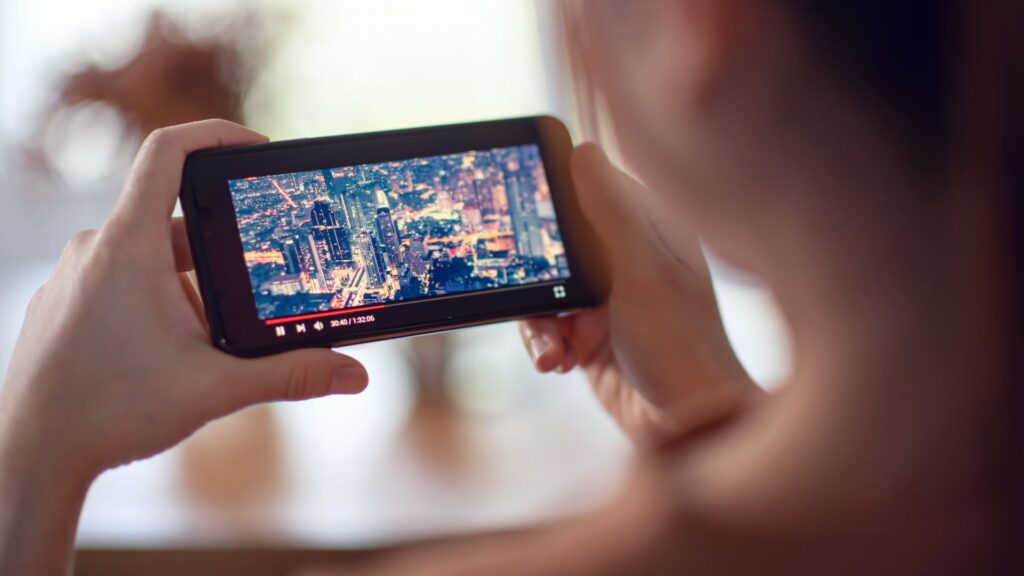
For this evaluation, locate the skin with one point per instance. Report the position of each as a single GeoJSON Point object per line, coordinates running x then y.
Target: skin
{"type": "Point", "coordinates": [890, 449]}
{"type": "Point", "coordinates": [114, 363]}
{"type": "Point", "coordinates": [660, 364]}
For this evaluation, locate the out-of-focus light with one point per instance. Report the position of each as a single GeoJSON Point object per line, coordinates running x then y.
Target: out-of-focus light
{"type": "Point", "coordinates": [87, 144]}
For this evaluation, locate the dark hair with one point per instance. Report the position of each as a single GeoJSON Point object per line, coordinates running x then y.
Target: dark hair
{"type": "Point", "coordinates": [908, 56]}
{"type": "Point", "coordinates": [896, 53]}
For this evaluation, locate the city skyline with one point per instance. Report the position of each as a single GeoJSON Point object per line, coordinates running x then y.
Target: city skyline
{"type": "Point", "coordinates": [354, 236]}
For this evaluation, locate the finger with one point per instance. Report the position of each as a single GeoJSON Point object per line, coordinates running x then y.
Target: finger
{"type": "Point", "coordinates": [568, 362]}
{"type": "Point", "coordinates": [298, 375]}
{"type": "Point", "coordinates": [566, 327]}
{"type": "Point", "coordinates": [152, 188]}
{"type": "Point", "coordinates": [179, 242]}
{"type": "Point", "coordinates": [193, 299]}
{"type": "Point", "coordinates": [543, 340]}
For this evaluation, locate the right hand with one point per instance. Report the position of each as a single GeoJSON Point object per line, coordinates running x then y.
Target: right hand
{"type": "Point", "coordinates": [655, 351]}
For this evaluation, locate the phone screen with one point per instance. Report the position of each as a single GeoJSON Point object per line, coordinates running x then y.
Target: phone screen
{"type": "Point", "coordinates": [322, 245]}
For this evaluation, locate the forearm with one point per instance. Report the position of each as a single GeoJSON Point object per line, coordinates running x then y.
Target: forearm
{"type": "Point", "coordinates": [629, 536]}
{"type": "Point", "coordinates": [40, 502]}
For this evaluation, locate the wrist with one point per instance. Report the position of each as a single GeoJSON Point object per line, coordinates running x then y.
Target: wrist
{"type": "Point", "coordinates": [35, 447]}
{"type": "Point", "coordinates": [710, 407]}
{"type": "Point", "coordinates": [41, 496]}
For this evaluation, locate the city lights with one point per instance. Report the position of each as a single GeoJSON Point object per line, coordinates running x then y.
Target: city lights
{"type": "Point", "coordinates": [380, 233]}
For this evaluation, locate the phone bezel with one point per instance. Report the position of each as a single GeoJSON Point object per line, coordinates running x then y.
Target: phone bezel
{"type": "Point", "coordinates": [223, 277]}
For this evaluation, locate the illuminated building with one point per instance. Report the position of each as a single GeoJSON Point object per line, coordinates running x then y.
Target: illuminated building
{"type": "Point", "coordinates": [293, 264]}
{"type": "Point", "coordinates": [388, 235]}
{"type": "Point", "coordinates": [320, 280]}
{"type": "Point", "coordinates": [523, 210]}
{"type": "Point", "coordinates": [339, 198]}
{"type": "Point", "coordinates": [377, 233]}
{"type": "Point", "coordinates": [416, 257]}
{"type": "Point", "coordinates": [326, 229]}
{"type": "Point", "coordinates": [288, 285]}
{"type": "Point", "coordinates": [368, 258]}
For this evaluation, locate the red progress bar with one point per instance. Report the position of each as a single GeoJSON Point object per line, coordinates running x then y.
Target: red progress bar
{"type": "Point", "coordinates": [321, 315]}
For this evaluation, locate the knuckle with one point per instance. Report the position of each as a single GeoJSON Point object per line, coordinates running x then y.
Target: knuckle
{"type": "Point", "coordinates": [101, 252]}
{"type": "Point", "coordinates": [37, 297]}
{"type": "Point", "coordinates": [302, 383]}
{"type": "Point", "coordinates": [88, 257]}
{"type": "Point", "coordinates": [159, 141]}
{"type": "Point", "coordinates": [78, 244]}
{"type": "Point", "coordinates": [119, 231]}
{"type": "Point", "coordinates": [160, 137]}
{"type": "Point", "coordinates": [82, 238]}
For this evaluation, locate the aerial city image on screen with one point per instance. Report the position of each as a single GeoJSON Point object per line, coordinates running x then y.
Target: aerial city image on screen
{"type": "Point", "coordinates": [395, 231]}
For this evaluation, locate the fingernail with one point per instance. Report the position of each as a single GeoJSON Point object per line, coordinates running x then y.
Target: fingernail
{"type": "Point", "coordinates": [538, 346]}
{"type": "Point", "coordinates": [348, 379]}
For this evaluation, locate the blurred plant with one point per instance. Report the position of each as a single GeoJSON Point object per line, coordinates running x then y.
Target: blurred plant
{"type": "Point", "coordinates": [179, 74]}
{"type": "Point", "coordinates": [171, 80]}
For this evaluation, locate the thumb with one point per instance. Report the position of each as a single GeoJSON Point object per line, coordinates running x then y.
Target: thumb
{"type": "Point", "coordinates": [298, 375]}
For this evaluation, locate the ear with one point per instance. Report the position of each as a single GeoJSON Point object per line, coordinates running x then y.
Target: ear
{"type": "Point", "coordinates": [705, 40]}
{"type": "Point", "coordinates": [662, 63]}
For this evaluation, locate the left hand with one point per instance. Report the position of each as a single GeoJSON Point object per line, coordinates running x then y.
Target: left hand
{"type": "Point", "coordinates": [114, 362]}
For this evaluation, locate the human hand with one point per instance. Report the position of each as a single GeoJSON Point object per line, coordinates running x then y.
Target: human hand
{"type": "Point", "coordinates": [655, 351]}
{"type": "Point", "coordinates": [114, 362]}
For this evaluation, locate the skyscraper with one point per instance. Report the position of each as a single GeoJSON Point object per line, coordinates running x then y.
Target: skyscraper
{"type": "Point", "coordinates": [368, 258]}
{"type": "Point", "coordinates": [522, 206]}
{"type": "Point", "coordinates": [388, 235]}
{"type": "Point", "coordinates": [378, 258]}
{"type": "Point", "coordinates": [416, 257]}
{"type": "Point", "coordinates": [483, 197]}
{"type": "Point", "coordinates": [327, 230]}
{"type": "Point", "coordinates": [320, 279]}
{"type": "Point", "coordinates": [337, 193]}
{"type": "Point", "coordinates": [291, 256]}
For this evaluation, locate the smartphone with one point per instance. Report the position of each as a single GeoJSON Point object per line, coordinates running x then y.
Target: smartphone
{"type": "Point", "coordinates": [340, 240]}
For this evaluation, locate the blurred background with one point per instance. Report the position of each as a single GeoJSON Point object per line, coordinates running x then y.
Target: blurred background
{"type": "Point", "coordinates": [456, 433]}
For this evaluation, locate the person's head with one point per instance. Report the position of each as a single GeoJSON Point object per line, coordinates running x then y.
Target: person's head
{"type": "Point", "coordinates": [739, 111]}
